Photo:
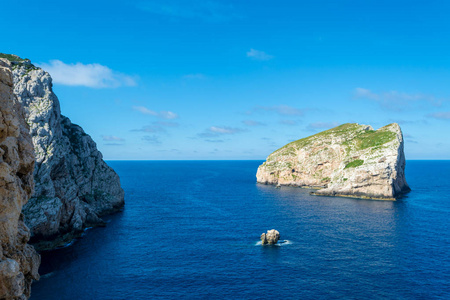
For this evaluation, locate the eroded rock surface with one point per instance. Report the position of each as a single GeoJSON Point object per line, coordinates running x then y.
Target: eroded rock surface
{"type": "Point", "coordinates": [19, 262]}
{"type": "Point", "coordinates": [349, 160]}
{"type": "Point", "coordinates": [74, 186]}
{"type": "Point", "coordinates": [270, 238]}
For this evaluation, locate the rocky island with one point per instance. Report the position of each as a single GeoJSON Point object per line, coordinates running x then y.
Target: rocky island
{"type": "Point", "coordinates": [19, 262]}
{"type": "Point", "coordinates": [350, 160]}
{"type": "Point", "coordinates": [74, 186]}
{"type": "Point", "coordinates": [270, 238]}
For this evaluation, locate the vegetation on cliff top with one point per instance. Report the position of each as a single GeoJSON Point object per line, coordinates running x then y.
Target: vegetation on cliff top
{"type": "Point", "coordinates": [12, 57]}
{"type": "Point", "coordinates": [354, 136]}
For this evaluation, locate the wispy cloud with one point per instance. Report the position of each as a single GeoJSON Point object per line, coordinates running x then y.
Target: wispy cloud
{"type": "Point", "coordinates": [409, 138]}
{"type": "Point", "coordinates": [159, 126]}
{"type": "Point", "coordinates": [258, 55]}
{"type": "Point", "coordinates": [442, 115]}
{"type": "Point", "coordinates": [282, 110]}
{"type": "Point", "coordinates": [253, 123]}
{"type": "Point", "coordinates": [162, 114]}
{"type": "Point", "coordinates": [321, 125]}
{"type": "Point", "coordinates": [170, 150]}
{"type": "Point", "coordinates": [113, 144]}
{"type": "Point", "coordinates": [110, 138]}
{"type": "Point", "coordinates": [216, 131]}
{"type": "Point", "coordinates": [194, 76]}
{"type": "Point", "coordinates": [211, 11]}
{"type": "Point", "coordinates": [394, 100]}
{"type": "Point", "coordinates": [152, 139]}
{"type": "Point", "coordinates": [404, 122]}
{"type": "Point", "coordinates": [214, 141]}
{"type": "Point", "coordinates": [288, 122]}
{"type": "Point", "coordinates": [89, 75]}
{"type": "Point", "coordinates": [151, 129]}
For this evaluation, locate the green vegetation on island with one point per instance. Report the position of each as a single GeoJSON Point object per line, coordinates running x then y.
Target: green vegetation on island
{"type": "Point", "coordinates": [354, 164]}
{"type": "Point", "coordinates": [350, 159]}
{"type": "Point", "coordinates": [12, 57]}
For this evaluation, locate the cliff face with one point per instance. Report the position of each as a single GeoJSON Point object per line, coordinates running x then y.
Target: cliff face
{"type": "Point", "coordinates": [349, 160]}
{"type": "Point", "coordinates": [19, 262]}
{"type": "Point", "coordinates": [74, 186]}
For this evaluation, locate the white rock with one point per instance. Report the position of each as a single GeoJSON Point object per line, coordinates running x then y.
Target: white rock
{"type": "Point", "coordinates": [350, 160]}
{"type": "Point", "coordinates": [270, 238]}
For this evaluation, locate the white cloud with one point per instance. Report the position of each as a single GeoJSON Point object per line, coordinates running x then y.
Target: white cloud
{"type": "Point", "coordinates": [442, 115]}
{"type": "Point", "coordinates": [253, 123]}
{"type": "Point", "coordinates": [151, 139]}
{"type": "Point", "coordinates": [288, 122]}
{"type": "Point", "coordinates": [194, 76]}
{"type": "Point", "coordinates": [224, 130]}
{"type": "Point", "coordinates": [258, 55]}
{"type": "Point", "coordinates": [162, 114]}
{"type": "Point", "coordinates": [111, 138]}
{"type": "Point", "coordinates": [151, 128]}
{"type": "Point", "coordinates": [215, 131]}
{"type": "Point", "coordinates": [159, 126]}
{"type": "Point", "coordinates": [214, 141]}
{"type": "Point", "coordinates": [394, 100]}
{"type": "Point", "coordinates": [90, 75]}
{"type": "Point", "coordinates": [365, 93]}
{"type": "Point", "coordinates": [321, 125]}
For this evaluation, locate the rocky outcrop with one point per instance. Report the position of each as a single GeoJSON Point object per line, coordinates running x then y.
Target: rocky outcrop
{"type": "Point", "coordinates": [74, 186]}
{"type": "Point", "coordinates": [270, 238]}
{"type": "Point", "coordinates": [350, 160]}
{"type": "Point", "coordinates": [19, 262]}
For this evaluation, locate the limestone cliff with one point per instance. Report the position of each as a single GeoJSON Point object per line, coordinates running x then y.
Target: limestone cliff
{"type": "Point", "coordinates": [19, 262]}
{"type": "Point", "coordinates": [349, 160]}
{"type": "Point", "coordinates": [74, 186]}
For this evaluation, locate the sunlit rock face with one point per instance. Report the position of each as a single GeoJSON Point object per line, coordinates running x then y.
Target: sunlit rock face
{"type": "Point", "coordinates": [350, 160]}
{"type": "Point", "coordinates": [19, 262]}
{"type": "Point", "coordinates": [271, 237]}
{"type": "Point", "coordinates": [74, 186]}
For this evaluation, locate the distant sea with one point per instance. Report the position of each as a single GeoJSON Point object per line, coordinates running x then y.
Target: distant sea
{"type": "Point", "coordinates": [190, 230]}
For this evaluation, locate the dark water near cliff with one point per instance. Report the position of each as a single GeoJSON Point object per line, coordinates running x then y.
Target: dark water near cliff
{"type": "Point", "coordinates": [190, 230]}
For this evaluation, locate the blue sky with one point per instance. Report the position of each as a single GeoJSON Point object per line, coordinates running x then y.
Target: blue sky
{"type": "Point", "coordinates": [217, 79]}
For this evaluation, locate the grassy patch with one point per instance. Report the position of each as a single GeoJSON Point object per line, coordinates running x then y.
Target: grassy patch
{"type": "Point", "coordinates": [353, 137]}
{"type": "Point", "coordinates": [354, 164]}
{"type": "Point", "coordinates": [339, 130]}
{"type": "Point", "coordinates": [12, 57]}
{"type": "Point", "coordinates": [372, 138]}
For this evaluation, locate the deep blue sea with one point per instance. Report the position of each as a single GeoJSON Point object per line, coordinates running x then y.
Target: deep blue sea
{"type": "Point", "coordinates": [190, 231]}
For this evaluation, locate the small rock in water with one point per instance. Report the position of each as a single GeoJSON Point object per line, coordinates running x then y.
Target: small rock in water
{"type": "Point", "coordinates": [270, 238]}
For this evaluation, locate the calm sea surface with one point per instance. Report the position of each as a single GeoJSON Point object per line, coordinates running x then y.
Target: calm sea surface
{"type": "Point", "coordinates": [190, 230]}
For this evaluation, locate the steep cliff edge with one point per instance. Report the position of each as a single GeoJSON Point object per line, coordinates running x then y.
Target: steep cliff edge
{"type": "Point", "coordinates": [349, 160]}
{"type": "Point", "coordinates": [74, 186]}
{"type": "Point", "coordinates": [19, 262]}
